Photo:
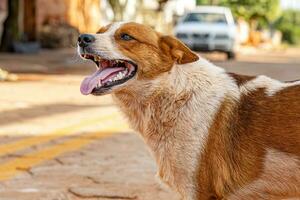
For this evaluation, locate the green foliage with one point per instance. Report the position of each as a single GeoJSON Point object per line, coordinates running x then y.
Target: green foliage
{"type": "Point", "coordinates": [289, 25]}
{"type": "Point", "coordinates": [203, 2]}
{"type": "Point", "coordinates": [268, 10]}
{"type": "Point", "coordinates": [261, 10]}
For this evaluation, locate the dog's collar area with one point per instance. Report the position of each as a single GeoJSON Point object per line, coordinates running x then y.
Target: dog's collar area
{"type": "Point", "coordinates": [109, 73]}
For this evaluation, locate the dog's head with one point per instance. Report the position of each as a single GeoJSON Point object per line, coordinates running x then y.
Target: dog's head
{"type": "Point", "coordinates": [126, 53]}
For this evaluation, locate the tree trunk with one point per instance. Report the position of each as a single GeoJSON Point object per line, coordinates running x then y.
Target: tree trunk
{"type": "Point", "coordinates": [214, 2]}
{"type": "Point", "coordinates": [118, 9]}
{"type": "Point", "coordinates": [30, 26]}
{"type": "Point", "coordinates": [84, 14]}
{"type": "Point", "coordinates": [11, 31]}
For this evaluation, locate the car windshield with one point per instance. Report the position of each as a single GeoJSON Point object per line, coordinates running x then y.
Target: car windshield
{"type": "Point", "coordinates": [211, 18]}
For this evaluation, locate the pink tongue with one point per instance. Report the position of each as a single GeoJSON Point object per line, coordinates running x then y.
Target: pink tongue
{"type": "Point", "coordinates": [90, 82]}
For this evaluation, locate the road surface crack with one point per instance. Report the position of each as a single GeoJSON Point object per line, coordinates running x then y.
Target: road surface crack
{"type": "Point", "coordinates": [94, 195]}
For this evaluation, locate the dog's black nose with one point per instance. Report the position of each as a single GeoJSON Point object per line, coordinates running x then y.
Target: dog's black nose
{"type": "Point", "coordinates": [85, 39]}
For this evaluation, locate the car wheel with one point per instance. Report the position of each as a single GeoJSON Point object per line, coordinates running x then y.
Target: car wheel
{"type": "Point", "coordinates": [231, 55]}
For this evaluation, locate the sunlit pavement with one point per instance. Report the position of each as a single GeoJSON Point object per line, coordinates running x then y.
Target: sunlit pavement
{"type": "Point", "coordinates": [57, 144]}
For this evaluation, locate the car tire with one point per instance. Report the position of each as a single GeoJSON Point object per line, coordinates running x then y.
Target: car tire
{"type": "Point", "coordinates": [231, 55]}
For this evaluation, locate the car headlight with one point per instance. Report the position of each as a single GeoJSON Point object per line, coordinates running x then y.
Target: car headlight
{"type": "Point", "coordinates": [181, 35]}
{"type": "Point", "coordinates": [200, 36]}
{"type": "Point", "coordinates": [222, 36]}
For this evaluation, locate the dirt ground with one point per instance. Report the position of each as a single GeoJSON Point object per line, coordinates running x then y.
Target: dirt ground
{"type": "Point", "coordinates": [56, 144]}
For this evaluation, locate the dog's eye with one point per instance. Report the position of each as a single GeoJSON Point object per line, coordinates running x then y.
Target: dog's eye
{"type": "Point", "coordinates": [126, 37]}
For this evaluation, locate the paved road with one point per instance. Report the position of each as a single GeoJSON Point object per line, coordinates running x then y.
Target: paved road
{"type": "Point", "coordinates": [58, 144]}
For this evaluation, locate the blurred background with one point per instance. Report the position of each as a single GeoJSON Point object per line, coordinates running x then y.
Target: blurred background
{"type": "Point", "coordinates": [56, 143]}
{"type": "Point", "coordinates": [26, 21]}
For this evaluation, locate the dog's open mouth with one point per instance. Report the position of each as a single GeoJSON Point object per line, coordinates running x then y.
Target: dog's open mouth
{"type": "Point", "coordinates": [109, 73]}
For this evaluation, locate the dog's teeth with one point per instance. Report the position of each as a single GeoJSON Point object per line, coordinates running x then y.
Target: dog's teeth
{"type": "Point", "coordinates": [99, 84]}
{"type": "Point", "coordinates": [120, 75]}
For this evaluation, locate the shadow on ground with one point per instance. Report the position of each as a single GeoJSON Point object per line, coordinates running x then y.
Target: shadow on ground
{"type": "Point", "coordinates": [23, 114]}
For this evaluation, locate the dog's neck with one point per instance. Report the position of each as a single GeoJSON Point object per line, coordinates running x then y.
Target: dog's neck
{"type": "Point", "coordinates": [148, 94]}
{"type": "Point", "coordinates": [173, 113]}
{"type": "Point", "coordinates": [172, 90]}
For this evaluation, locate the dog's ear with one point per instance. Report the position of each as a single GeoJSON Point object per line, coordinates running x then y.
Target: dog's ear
{"type": "Point", "coordinates": [177, 50]}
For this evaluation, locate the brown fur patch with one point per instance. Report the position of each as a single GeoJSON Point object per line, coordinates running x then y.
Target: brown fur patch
{"type": "Point", "coordinates": [241, 134]}
{"type": "Point", "coordinates": [241, 79]}
{"type": "Point", "coordinates": [279, 179]}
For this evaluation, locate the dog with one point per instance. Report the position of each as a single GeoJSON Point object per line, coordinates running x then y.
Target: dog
{"type": "Point", "coordinates": [213, 134]}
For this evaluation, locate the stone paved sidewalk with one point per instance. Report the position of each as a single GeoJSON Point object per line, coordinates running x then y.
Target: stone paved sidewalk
{"type": "Point", "coordinates": [117, 167]}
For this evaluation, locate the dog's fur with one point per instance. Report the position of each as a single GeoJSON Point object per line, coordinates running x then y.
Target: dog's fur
{"type": "Point", "coordinates": [214, 135]}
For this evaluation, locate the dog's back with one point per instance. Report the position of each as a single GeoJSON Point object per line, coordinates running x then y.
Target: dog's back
{"type": "Point", "coordinates": [260, 139]}
{"type": "Point", "coordinates": [271, 114]}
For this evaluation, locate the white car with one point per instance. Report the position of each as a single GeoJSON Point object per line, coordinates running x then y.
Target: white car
{"type": "Point", "coordinates": [208, 28]}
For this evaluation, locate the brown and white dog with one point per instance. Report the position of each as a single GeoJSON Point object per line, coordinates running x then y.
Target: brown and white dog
{"type": "Point", "coordinates": [214, 135]}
